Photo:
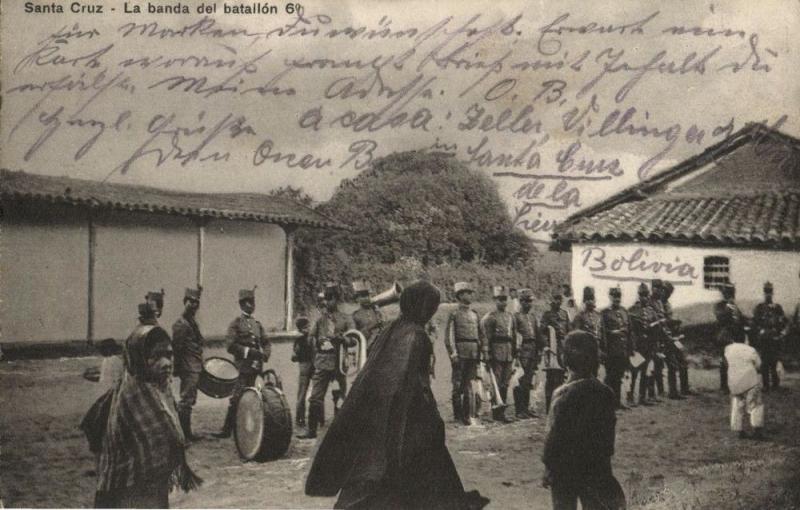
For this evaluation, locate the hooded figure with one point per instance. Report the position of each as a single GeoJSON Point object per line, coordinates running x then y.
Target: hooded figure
{"type": "Point", "coordinates": [143, 450]}
{"type": "Point", "coordinates": [386, 448]}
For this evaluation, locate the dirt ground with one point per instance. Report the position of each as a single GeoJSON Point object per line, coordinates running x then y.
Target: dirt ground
{"type": "Point", "coordinates": [679, 454]}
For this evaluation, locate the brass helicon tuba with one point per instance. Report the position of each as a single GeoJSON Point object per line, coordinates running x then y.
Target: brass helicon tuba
{"type": "Point", "coordinates": [353, 357]}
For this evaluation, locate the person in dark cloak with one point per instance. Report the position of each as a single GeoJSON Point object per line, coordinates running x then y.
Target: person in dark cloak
{"type": "Point", "coordinates": [386, 447]}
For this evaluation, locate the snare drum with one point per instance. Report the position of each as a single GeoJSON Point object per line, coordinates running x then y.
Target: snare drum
{"type": "Point", "coordinates": [263, 424]}
{"type": "Point", "coordinates": [218, 378]}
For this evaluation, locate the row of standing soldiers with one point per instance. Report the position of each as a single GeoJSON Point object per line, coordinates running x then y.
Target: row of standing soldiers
{"type": "Point", "coordinates": [503, 337]}
{"type": "Point", "coordinates": [643, 340]}
{"type": "Point", "coordinates": [317, 350]}
{"type": "Point", "coordinates": [767, 330]}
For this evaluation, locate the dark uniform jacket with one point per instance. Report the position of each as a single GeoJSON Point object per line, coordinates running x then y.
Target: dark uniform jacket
{"type": "Point", "coordinates": [248, 343]}
{"type": "Point", "coordinates": [731, 322]}
{"type": "Point", "coordinates": [663, 330]}
{"type": "Point", "coordinates": [464, 334]}
{"type": "Point", "coordinates": [580, 432]}
{"type": "Point", "coordinates": [591, 322]}
{"type": "Point", "coordinates": [501, 333]}
{"type": "Point", "coordinates": [642, 316]}
{"type": "Point", "coordinates": [327, 337]}
{"type": "Point", "coordinates": [560, 322]}
{"type": "Point", "coordinates": [369, 322]}
{"type": "Point", "coordinates": [187, 346]}
{"type": "Point", "coordinates": [617, 333]}
{"type": "Point", "coordinates": [768, 324]}
{"type": "Point", "coordinates": [528, 330]}
{"type": "Point", "coordinates": [303, 350]}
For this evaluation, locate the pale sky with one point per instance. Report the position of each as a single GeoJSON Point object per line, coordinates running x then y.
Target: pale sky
{"type": "Point", "coordinates": [216, 104]}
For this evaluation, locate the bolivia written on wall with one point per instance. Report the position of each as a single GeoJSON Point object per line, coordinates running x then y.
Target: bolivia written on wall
{"type": "Point", "coordinates": [561, 103]}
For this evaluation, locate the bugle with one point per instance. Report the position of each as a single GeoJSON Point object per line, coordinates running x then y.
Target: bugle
{"type": "Point", "coordinates": [387, 297]}
{"type": "Point", "coordinates": [497, 400]}
{"type": "Point", "coordinates": [551, 351]}
{"type": "Point", "coordinates": [352, 358]}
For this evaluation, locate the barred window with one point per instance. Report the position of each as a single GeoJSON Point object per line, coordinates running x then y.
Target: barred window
{"type": "Point", "coordinates": [716, 272]}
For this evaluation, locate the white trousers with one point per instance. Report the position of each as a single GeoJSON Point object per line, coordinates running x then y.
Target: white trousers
{"type": "Point", "coordinates": [749, 402]}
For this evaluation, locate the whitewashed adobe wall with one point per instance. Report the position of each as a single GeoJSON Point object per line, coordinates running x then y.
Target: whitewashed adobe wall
{"type": "Point", "coordinates": [607, 265]}
{"type": "Point", "coordinates": [44, 277]}
{"type": "Point", "coordinates": [136, 253]}
{"type": "Point", "coordinates": [239, 255]}
{"type": "Point", "coordinates": [44, 285]}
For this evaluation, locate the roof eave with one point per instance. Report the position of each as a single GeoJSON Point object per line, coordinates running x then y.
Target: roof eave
{"type": "Point", "coordinates": [185, 212]}
{"type": "Point", "coordinates": [643, 189]}
{"type": "Point", "coordinates": [562, 244]}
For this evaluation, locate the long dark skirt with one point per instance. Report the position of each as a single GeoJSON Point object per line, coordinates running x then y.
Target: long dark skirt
{"type": "Point", "coordinates": [433, 484]}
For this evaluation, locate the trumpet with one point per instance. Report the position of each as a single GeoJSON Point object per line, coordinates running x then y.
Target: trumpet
{"type": "Point", "coordinates": [352, 358]}
{"type": "Point", "coordinates": [387, 297]}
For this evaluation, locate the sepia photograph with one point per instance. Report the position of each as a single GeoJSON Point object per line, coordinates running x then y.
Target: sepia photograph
{"type": "Point", "coordinates": [397, 254]}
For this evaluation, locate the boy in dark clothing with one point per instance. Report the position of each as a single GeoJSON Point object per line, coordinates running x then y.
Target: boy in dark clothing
{"type": "Point", "coordinates": [303, 355]}
{"type": "Point", "coordinates": [580, 434]}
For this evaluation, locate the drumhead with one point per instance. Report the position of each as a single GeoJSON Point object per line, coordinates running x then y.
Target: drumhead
{"type": "Point", "coordinates": [249, 423]}
{"type": "Point", "coordinates": [221, 368]}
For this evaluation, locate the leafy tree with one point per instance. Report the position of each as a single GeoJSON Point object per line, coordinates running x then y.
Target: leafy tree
{"type": "Point", "coordinates": [417, 205]}
{"type": "Point", "coordinates": [429, 206]}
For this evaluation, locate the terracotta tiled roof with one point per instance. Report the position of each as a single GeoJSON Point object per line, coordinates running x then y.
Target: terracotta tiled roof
{"type": "Point", "coordinates": [724, 196]}
{"type": "Point", "coordinates": [772, 219]}
{"type": "Point", "coordinates": [233, 206]}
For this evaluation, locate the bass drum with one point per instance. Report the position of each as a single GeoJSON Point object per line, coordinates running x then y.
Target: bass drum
{"type": "Point", "coordinates": [263, 424]}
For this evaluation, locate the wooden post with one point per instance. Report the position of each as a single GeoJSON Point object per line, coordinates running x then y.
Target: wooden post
{"type": "Point", "coordinates": [201, 241]}
{"type": "Point", "coordinates": [289, 269]}
{"type": "Point", "coordinates": [90, 282]}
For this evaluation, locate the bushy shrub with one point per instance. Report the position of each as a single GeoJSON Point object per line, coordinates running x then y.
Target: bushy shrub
{"type": "Point", "coordinates": [409, 213]}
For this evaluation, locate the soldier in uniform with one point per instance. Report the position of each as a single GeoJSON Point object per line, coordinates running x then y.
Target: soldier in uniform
{"type": "Point", "coordinates": [529, 350]}
{"type": "Point", "coordinates": [731, 323]}
{"type": "Point", "coordinates": [303, 355]}
{"type": "Point", "coordinates": [250, 347]}
{"type": "Point", "coordinates": [151, 309]}
{"type": "Point", "coordinates": [187, 351]}
{"type": "Point", "coordinates": [676, 358]}
{"type": "Point", "coordinates": [558, 319]}
{"type": "Point", "coordinates": [327, 336]}
{"type": "Point", "coordinates": [661, 339]}
{"type": "Point", "coordinates": [368, 318]}
{"type": "Point", "coordinates": [466, 344]}
{"type": "Point", "coordinates": [589, 320]}
{"type": "Point", "coordinates": [616, 343]}
{"type": "Point", "coordinates": [769, 322]}
{"type": "Point", "coordinates": [501, 332]}
{"type": "Point", "coordinates": [643, 321]}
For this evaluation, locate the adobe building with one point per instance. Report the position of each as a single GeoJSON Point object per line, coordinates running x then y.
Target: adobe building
{"type": "Point", "coordinates": [729, 214]}
{"type": "Point", "coordinates": [77, 256]}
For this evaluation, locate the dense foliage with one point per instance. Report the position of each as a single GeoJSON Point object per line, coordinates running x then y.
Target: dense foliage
{"type": "Point", "coordinates": [420, 206]}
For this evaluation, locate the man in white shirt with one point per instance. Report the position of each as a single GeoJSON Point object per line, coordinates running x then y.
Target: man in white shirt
{"type": "Point", "coordinates": [745, 387]}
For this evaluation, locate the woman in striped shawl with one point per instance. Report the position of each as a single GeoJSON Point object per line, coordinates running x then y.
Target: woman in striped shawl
{"type": "Point", "coordinates": [143, 450]}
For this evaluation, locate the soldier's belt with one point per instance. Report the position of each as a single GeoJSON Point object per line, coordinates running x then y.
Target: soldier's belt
{"type": "Point", "coordinates": [528, 340]}
{"type": "Point", "coordinates": [501, 340]}
{"type": "Point", "coordinates": [464, 340]}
